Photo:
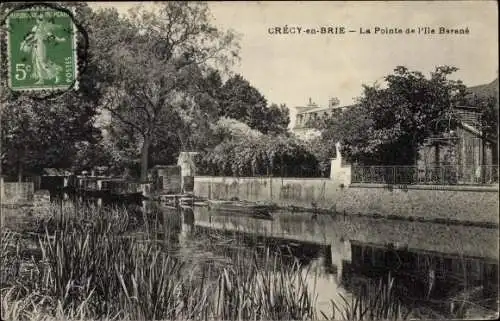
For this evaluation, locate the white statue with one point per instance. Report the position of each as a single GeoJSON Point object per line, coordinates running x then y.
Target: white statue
{"type": "Point", "coordinates": [337, 150]}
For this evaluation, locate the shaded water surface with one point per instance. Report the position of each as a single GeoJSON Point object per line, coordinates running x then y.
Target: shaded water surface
{"type": "Point", "coordinates": [342, 257]}
{"type": "Point", "coordinates": [438, 271]}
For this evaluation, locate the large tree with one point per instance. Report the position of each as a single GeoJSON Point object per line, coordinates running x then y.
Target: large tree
{"type": "Point", "coordinates": [277, 119]}
{"type": "Point", "coordinates": [48, 132]}
{"type": "Point", "coordinates": [45, 134]}
{"type": "Point", "coordinates": [243, 102]}
{"type": "Point", "coordinates": [153, 61]}
{"type": "Point", "coordinates": [489, 117]}
{"type": "Point", "coordinates": [191, 127]}
{"type": "Point", "coordinates": [391, 122]}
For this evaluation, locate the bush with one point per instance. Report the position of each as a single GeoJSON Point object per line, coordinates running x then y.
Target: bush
{"type": "Point", "coordinates": [260, 156]}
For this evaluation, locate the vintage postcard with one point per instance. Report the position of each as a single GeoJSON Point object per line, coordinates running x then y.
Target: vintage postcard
{"type": "Point", "coordinates": [249, 160]}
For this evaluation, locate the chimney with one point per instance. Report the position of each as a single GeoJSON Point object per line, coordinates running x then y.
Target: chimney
{"type": "Point", "coordinates": [333, 102]}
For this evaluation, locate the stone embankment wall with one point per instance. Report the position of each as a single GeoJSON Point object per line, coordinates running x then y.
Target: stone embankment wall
{"type": "Point", "coordinates": [455, 203]}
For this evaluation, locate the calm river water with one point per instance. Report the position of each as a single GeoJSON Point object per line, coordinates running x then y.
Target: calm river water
{"type": "Point", "coordinates": [437, 269]}
{"type": "Point", "coordinates": [435, 274]}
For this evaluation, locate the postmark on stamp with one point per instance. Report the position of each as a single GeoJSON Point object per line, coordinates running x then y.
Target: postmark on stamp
{"type": "Point", "coordinates": [42, 53]}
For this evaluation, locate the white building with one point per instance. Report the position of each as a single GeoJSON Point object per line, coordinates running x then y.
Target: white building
{"type": "Point", "coordinates": [306, 116]}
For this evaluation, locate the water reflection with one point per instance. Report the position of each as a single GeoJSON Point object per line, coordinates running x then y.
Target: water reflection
{"type": "Point", "coordinates": [426, 280]}
{"type": "Point", "coordinates": [341, 257]}
{"type": "Point", "coordinates": [313, 257]}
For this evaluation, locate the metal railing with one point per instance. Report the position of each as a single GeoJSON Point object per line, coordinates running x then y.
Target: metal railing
{"type": "Point", "coordinates": [435, 175]}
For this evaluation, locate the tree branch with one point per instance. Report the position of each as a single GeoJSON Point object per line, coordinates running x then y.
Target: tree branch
{"type": "Point", "coordinates": [123, 119]}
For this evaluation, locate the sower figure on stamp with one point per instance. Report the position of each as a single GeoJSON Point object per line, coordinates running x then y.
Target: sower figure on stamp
{"type": "Point", "coordinates": [35, 43]}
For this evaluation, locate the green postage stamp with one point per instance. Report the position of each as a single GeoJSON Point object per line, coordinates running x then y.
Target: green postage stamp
{"type": "Point", "coordinates": [41, 50]}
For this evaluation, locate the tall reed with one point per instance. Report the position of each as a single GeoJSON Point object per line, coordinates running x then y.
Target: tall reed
{"type": "Point", "coordinates": [89, 269]}
{"type": "Point", "coordinates": [10, 263]}
{"type": "Point", "coordinates": [264, 290]}
{"type": "Point", "coordinates": [374, 302]}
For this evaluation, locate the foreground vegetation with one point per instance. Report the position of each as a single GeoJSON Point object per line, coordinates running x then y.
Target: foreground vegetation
{"type": "Point", "coordinates": [86, 268]}
{"type": "Point", "coordinates": [82, 263]}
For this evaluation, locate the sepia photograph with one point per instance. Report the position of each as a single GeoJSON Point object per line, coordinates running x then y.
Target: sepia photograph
{"type": "Point", "coordinates": [249, 160]}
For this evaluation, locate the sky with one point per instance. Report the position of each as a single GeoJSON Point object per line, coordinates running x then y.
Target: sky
{"type": "Point", "coordinates": [291, 68]}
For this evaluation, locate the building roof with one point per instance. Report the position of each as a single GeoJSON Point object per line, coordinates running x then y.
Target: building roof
{"type": "Point", "coordinates": [470, 115]}
{"type": "Point", "coordinates": [56, 172]}
{"type": "Point", "coordinates": [306, 107]}
{"type": "Point", "coordinates": [319, 109]}
{"type": "Point", "coordinates": [315, 109]}
{"type": "Point", "coordinates": [485, 90]}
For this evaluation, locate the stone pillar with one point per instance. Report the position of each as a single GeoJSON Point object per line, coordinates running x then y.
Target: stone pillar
{"type": "Point", "coordinates": [169, 179]}
{"type": "Point", "coordinates": [146, 189]}
{"type": "Point", "coordinates": [338, 172]}
{"type": "Point", "coordinates": [188, 170]}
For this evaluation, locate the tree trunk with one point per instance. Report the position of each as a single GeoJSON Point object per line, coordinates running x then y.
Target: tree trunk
{"type": "Point", "coordinates": [144, 158]}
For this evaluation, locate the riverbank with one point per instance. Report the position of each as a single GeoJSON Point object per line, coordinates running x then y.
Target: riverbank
{"type": "Point", "coordinates": [469, 206]}
{"type": "Point", "coordinates": [332, 212]}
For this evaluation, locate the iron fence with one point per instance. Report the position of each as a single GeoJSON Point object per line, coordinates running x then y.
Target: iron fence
{"type": "Point", "coordinates": [435, 175]}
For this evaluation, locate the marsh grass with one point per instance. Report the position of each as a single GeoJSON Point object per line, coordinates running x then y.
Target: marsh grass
{"type": "Point", "coordinates": [376, 301]}
{"type": "Point", "coordinates": [88, 269]}
{"type": "Point", "coordinates": [264, 290]}
{"type": "Point", "coordinates": [9, 256]}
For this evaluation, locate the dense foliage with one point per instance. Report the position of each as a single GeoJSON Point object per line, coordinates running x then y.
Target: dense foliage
{"type": "Point", "coordinates": [156, 78]}
{"type": "Point", "coordinates": [39, 133]}
{"type": "Point", "coordinates": [389, 123]}
{"type": "Point", "coordinates": [256, 154]}
{"type": "Point", "coordinates": [241, 101]}
{"type": "Point", "coordinates": [155, 62]}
